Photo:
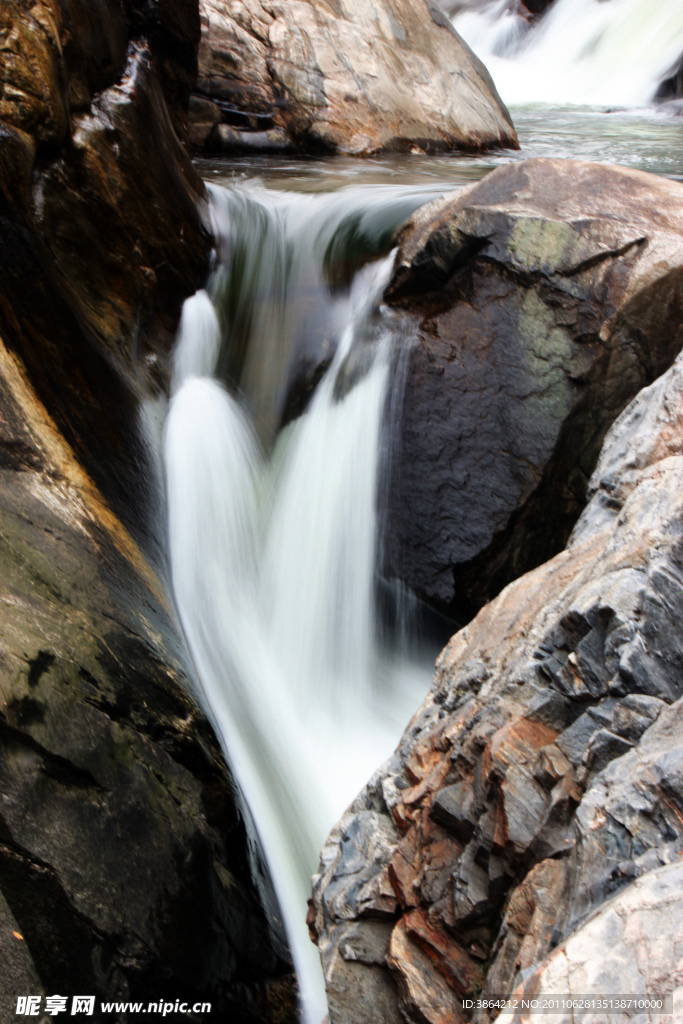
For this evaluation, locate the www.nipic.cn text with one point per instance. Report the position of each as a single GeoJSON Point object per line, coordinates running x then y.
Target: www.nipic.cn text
{"type": "Point", "coordinates": [32, 1006]}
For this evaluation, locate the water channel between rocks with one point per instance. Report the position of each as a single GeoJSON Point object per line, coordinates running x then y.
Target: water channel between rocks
{"type": "Point", "coordinates": [275, 530]}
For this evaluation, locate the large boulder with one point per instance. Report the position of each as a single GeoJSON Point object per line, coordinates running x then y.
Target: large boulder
{"type": "Point", "coordinates": [362, 76]}
{"type": "Point", "coordinates": [127, 867]}
{"type": "Point", "coordinates": [542, 774]}
{"type": "Point", "coordinates": [543, 298]}
{"type": "Point", "coordinates": [124, 856]}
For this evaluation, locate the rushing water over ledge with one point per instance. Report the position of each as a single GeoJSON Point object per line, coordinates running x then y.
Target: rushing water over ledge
{"type": "Point", "coordinates": [273, 535]}
{"type": "Point", "coordinates": [274, 530]}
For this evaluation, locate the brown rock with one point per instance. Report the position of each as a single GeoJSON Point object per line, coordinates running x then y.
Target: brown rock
{"type": "Point", "coordinates": [424, 995]}
{"type": "Point", "coordinates": [544, 297]}
{"type": "Point", "coordinates": [32, 77]}
{"type": "Point", "coordinates": [356, 78]}
{"type": "Point", "coordinates": [127, 254]}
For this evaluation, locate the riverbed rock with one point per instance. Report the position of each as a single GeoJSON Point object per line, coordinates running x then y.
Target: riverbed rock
{"type": "Point", "coordinates": [355, 77]}
{"type": "Point", "coordinates": [543, 298]}
{"type": "Point", "coordinates": [128, 869]}
{"type": "Point", "coordinates": [498, 829]}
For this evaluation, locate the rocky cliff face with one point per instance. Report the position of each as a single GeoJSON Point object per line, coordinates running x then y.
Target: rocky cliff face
{"type": "Point", "coordinates": [543, 298]}
{"type": "Point", "coordinates": [125, 867]}
{"type": "Point", "coordinates": [355, 77]}
{"type": "Point", "coordinates": [541, 775]}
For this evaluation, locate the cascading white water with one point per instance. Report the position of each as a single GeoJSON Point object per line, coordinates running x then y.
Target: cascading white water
{"type": "Point", "coordinates": [273, 557]}
{"type": "Point", "coordinates": [592, 52]}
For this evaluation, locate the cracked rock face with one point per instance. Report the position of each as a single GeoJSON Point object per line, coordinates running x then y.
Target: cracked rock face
{"type": "Point", "coordinates": [541, 776]}
{"type": "Point", "coordinates": [543, 298]}
{"type": "Point", "coordinates": [359, 76]}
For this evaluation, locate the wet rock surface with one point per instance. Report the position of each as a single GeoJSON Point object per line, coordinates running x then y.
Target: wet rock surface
{"type": "Point", "coordinates": [355, 77]}
{"type": "Point", "coordinates": [541, 776]}
{"type": "Point", "coordinates": [101, 234]}
{"type": "Point", "coordinates": [126, 867]}
{"type": "Point", "coordinates": [124, 864]}
{"type": "Point", "coordinates": [543, 297]}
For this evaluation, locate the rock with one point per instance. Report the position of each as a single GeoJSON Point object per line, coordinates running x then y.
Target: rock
{"type": "Point", "coordinates": [128, 256]}
{"type": "Point", "coordinates": [635, 714]}
{"type": "Point", "coordinates": [123, 852]}
{"type": "Point", "coordinates": [536, 7]}
{"type": "Point", "coordinates": [543, 298]}
{"type": "Point", "coordinates": [672, 107]}
{"type": "Point", "coordinates": [127, 867]}
{"type": "Point", "coordinates": [603, 747]}
{"type": "Point", "coordinates": [226, 140]}
{"type": "Point", "coordinates": [33, 71]}
{"type": "Point", "coordinates": [671, 86]}
{"type": "Point", "coordinates": [626, 947]}
{"type": "Point", "coordinates": [554, 728]}
{"type": "Point", "coordinates": [101, 234]}
{"type": "Point", "coordinates": [358, 78]}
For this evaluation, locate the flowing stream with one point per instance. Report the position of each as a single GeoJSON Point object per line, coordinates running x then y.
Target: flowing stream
{"type": "Point", "coordinates": [273, 534]}
{"type": "Point", "coordinates": [286, 398]}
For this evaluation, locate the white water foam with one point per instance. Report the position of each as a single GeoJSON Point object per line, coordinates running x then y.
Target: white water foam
{"type": "Point", "coordinates": [273, 562]}
{"type": "Point", "coordinates": [589, 52]}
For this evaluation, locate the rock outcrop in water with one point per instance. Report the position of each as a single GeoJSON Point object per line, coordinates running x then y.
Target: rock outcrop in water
{"type": "Point", "coordinates": [356, 77]}
{"type": "Point", "coordinates": [671, 87]}
{"type": "Point", "coordinates": [124, 860]}
{"type": "Point", "coordinates": [544, 297]}
{"type": "Point", "coordinates": [540, 781]}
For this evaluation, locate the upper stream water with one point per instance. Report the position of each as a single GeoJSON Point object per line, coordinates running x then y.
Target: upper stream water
{"type": "Point", "coordinates": [274, 530]}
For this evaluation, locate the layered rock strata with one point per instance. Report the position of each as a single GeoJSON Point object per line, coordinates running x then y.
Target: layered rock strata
{"type": "Point", "coordinates": [543, 298]}
{"type": "Point", "coordinates": [353, 77]}
{"type": "Point", "coordinates": [125, 865]}
{"type": "Point", "coordinates": [541, 775]}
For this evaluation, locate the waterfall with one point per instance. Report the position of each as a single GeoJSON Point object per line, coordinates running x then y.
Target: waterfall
{"type": "Point", "coordinates": [273, 534]}
{"type": "Point", "coordinates": [591, 52]}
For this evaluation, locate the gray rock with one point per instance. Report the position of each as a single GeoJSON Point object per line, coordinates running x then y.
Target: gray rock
{"type": "Point", "coordinates": [603, 747]}
{"type": "Point", "coordinates": [542, 299]}
{"type": "Point", "coordinates": [635, 714]}
{"type": "Point", "coordinates": [630, 946]}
